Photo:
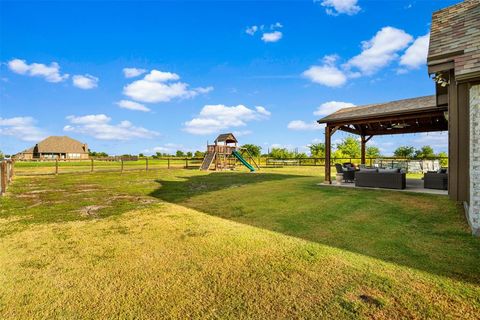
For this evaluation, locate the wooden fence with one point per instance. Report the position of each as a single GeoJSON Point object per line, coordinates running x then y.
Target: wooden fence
{"type": "Point", "coordinates": [6, 174]}
{"type": "Point", "coordinates": [150, 163]}
{"type": "Point", "coordinates": [104, 165]}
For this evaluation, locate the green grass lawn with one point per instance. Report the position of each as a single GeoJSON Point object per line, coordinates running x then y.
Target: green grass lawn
{"type": "Point", "coordinates": [189, 244]}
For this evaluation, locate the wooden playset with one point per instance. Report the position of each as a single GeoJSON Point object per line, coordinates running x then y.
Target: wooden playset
{"type": "Point", "coordinates": [225, 153]}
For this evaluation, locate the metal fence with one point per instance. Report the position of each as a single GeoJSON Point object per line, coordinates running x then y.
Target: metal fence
{"type": "Point", "coordinates": [6, 174]}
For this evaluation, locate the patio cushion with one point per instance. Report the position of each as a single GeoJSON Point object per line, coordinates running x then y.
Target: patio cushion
{"type": "Point", "coordinates": [395, 170]}
{"type": "Point", "coordinates": [368, 169]}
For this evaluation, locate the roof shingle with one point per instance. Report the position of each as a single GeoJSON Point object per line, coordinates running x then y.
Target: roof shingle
{"type": "Point", "coordinates": [455, 33]}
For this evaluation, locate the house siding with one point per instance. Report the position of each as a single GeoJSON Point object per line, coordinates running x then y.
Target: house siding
{"type": "Point", "coordinates": [474, 205]}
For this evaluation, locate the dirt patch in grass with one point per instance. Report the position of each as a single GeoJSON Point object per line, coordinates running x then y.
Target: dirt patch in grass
{"type": "Point", "coordinates": [143, 200]}
{"type": "Point", "coordinates": [91, 211]}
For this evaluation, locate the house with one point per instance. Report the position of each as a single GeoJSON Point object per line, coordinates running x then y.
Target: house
{"type": "Point", "coordinates": [454, 62]}
{"type": "Point", "coordinates": [55, 147]}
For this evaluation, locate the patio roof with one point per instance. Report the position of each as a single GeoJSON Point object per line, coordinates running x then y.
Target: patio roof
{"type": "Point", "coordinates": [419, 114]}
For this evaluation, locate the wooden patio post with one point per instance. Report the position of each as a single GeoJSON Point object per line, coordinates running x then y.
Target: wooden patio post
{"type": "Point", "coordinates": [328, 178]}
{"type": "Point", "coordinates": [363, 142]}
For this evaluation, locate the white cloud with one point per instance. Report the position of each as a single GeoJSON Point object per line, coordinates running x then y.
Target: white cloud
{"type": "Point", "coordinates": [169, 148]}
{"type": "Point", "coordinates": [336, 7]}
{"type": "Point", "coordinates": [272, 36]}
{"type": "Point", "coordinates": [157, 86]}
{"type": "Point", "coordinates": [99, 127]}
{"type": "Point", "coordinates": [379, 51]}
{"type": "Point", "coordinates": [85, 81]}
{"type": "Point", "coordinates": [203, 90]}
{"type": "Point", "coordinates": [132, 105]}
{"type": "Point", "coordinates": [276, 25]}
{"type": "Point", "coordinates": [326, 74]}
{"type": "Point", "coordinates": [437, 140]}
{"type": "Point", "coordinates": [303, 126]}
{"type": "Point", "coordinates": [251, 30]}
{"type": "Point", "coordinates": [50, 73]}
{"type": "Point", "coordinates": [133, 72]}
{"type": "Point", "coordinates": [22, 128]}
{"type": "Point", "coordinates": [416, 55]}
{"type": "Point", "coordinates": [242, 133]}
{"type": "Point", "coordinates": [215, 118]}
{"type": "Point", "coordinates": [160, 76]}
{"type": "Point", "coordinates": [331, 106]}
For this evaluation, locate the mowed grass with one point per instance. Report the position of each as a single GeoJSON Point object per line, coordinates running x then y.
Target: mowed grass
{"type": "Point", "coordinates": [189, 244]}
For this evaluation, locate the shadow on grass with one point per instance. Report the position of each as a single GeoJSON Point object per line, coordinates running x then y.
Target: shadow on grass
{"type": "Point", "coordinates": [424, 232]}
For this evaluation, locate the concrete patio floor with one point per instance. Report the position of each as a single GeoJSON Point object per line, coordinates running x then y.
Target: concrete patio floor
{"type": "Point", "coordinates": [413, 185]}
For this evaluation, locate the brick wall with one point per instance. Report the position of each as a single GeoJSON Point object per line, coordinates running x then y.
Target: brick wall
{"type": "Point", "coordinates": [474, 210]}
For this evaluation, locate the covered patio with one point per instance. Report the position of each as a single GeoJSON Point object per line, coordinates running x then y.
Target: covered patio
{"type": "Point", "coordinates": [415, 115]}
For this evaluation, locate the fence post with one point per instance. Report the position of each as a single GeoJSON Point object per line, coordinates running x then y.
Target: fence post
{"type": "Point", "coordinates": [186, 163]}
{"type": "Point", "coordinates": [121, 161]}
{"type": "Point", "coordinates": [168, 161]}
{"type": "Point", "coordinates": [146, 164]}
{"type": "Point", "coordinates": [3, 177]}
{"type": "Point", "coordinates": [13, 168]}
{"type": "Point", "coordinates": [56, 166]}
{"type": "Point", "coordinates": [91, 166]}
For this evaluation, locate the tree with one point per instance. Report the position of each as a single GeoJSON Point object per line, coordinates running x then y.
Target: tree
{"type": "Point", "coordinates": [189, 154]}
{"type": "Point", "coordinates": [404, 152]}
{"type": "Point", "coordinates": [141, 155]}
{"type": "Point", "coordinates": [97, 154]}
{"type": "Point", "coordinates": [1, 155]}
{"type": "Point", "coordinates": [349, 147]}
{"type": "Point", "coordinates": [253, 149]}
{"type": "Point", "coordinates": [199, 154]}
{"type": "Point", "coordinates": [179, 153]}
{"type": "Point", "coordinates": [280, 153]}
{"type": "Point", "coordinates": [443, 159]}
{"type": "Point", "coordinates": [424, 152]}
{"type": "Point", "coordinates": [301, 155]}
{"type": "Point", "coordinates": [317, 150]}
{"type": "Point", "coordinates": [372, 152]}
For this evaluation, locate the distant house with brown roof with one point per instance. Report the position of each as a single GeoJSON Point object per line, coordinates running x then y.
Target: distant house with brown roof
{"type": "Point", "coordinates": [55, 147]}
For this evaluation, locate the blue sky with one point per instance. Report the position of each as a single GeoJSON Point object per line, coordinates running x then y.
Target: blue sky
{"type": "Point", "coordinates": [131, 77]}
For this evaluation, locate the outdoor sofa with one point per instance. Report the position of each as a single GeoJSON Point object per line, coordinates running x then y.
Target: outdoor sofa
{"type": "Point", "coordinates": [347, 171]}
{"type": "Point", "coordinates": [436, 180]}
{"type": "Point", "coordinates": [380, 178]}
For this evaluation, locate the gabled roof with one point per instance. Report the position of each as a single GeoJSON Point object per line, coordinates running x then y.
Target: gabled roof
{"type": "Point", "coordinates": [58, 144]}
{"type": "Point", "coordinates": [226, 137]}
{"type": "Point", "coordinates": [399, 107]}
{"type": "Point", "coordinates": [455, 36]}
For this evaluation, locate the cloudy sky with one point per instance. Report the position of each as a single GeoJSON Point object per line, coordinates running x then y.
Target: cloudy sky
{"type": "Point", "coordinates": [150, 76]}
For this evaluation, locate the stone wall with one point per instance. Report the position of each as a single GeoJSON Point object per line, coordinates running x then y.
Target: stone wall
{"type": "Point", "coordinates": [474, 208]}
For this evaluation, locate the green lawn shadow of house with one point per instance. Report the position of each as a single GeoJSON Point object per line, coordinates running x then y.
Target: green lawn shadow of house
{"type": "Point", "coordinates": [420, 231]}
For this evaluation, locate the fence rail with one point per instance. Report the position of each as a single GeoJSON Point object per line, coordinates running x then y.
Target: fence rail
{"type": "Point", "coordinates": [23, 167]}
{"type": "Point", "coordinates": [6, 174]}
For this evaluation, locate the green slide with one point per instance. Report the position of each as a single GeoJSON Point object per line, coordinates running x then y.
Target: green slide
{"type": "Point", "coordinates": [243, 161]}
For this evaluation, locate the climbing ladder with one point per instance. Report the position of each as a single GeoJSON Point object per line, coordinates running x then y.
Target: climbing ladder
{"type": "Point", "coordinates": [207, 161]}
